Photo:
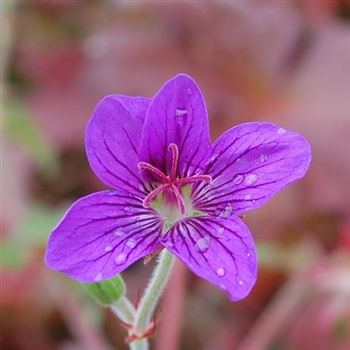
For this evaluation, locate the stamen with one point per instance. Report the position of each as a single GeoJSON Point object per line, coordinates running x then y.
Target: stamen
{"type": "Point", "coordinates": [179, 199]}
{"type": "Point", "coordinates": [171, 182]}
{"type": "Point", "coordinates": [149, 198]}
{"type": "Point", "coordinates": [154, 170]}
{"type": "Point", "coordinates": [175, 159]}
{"type": "Point", "coordinates": [192, 179]}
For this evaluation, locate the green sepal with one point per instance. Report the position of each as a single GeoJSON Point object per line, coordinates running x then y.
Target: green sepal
{"type": "Point", "coordinates": [108, 291]}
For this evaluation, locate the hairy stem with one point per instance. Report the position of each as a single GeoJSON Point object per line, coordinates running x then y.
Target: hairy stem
{"type": "Point", "coordinates": [152, 294]}
{"type": "Point", "coordinates": [124, 310]}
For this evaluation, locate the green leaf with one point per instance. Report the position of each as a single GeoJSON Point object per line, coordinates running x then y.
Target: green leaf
{"type": "Point", "coordinates": [20, 127]}
{"type": "Point", "coordinates": [108, 291]}
{"type": "Point", "coordinates": [31, 232]}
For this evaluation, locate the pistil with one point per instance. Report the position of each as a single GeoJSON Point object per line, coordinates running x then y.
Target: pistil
{"type": "Point", "coordinates": [170, 182]}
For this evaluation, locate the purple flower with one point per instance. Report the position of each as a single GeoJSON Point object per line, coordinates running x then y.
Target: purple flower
{"type": "Point", "coordinates": [172, 188]}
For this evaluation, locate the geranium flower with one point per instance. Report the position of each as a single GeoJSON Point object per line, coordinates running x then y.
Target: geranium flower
{"type": "Point", "coordinates": [173, 189]}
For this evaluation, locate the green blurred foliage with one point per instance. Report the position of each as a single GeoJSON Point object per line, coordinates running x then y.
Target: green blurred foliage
{"type": "Point", "coordinates": [31, 232]}
{"type": "Point", "coordinates": [21, 129]}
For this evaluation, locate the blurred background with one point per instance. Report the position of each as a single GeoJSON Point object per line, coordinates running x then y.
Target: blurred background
{"type": "Point", "coordinates": [286, 62]}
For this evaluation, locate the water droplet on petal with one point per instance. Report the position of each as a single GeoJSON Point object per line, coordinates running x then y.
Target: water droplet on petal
{"type": "Point", "coordinates": [240, 282]}
{"type": "Point", "coordinates": [120, 259]}
{"type": "Point", "coordinates": [130, 243]}
{"type": "Point", "coordinates": [250, 179]}
{"type": "Point", "coordinates": [248, 255]}
{"type": "Point", "coordinates": [221, 271]}
{"type": "Point", "coordinates": [203, 243]}
{"type": "Point", "coordinates": [212, 158]}
{"type": "Point", "coordinates": [189, 91]}
{"type": "Point", "coordinates": [180, 112]}
{"type": "Point", "coordinates": [127, 209]}
{"type": "Point", "coordinates": [248, 197]}
{"type": "Point", "coordinates": [118, 233]}
{"type": "Point", "coordinates": [111, 192]}
{"type": "Point", "coordinates": [227, 212]}
{"type": "Point", "coordinates": [169, 244]}
{"type": "Point", "coordinates": [281, 131]}
{"type": "Point", "coordinates": [238, 179]}
{"type": "Point", "coordinates": [263, 158]}
{"type": "Point", "coordinates": [220, 231]}
{"type": "Point", "coordinates": [108, 248]}
{"type": "Point", "coordinates": [98, 277]}
{"type": "Point", "coordinates": [222, 286]}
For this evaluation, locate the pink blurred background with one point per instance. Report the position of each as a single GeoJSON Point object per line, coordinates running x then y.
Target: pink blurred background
{"type": "Point", "coordinates": [286, 62]}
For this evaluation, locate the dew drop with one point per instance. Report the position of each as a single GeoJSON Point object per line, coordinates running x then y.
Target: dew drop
{"type": "Point", "coordinates": [227, 211]}
{"type": "Point", "coordinates": [111, 192]}
{"type": "Point", "coordinates": [222, 286]}
{"type": "Point", "coordinates": [250, 179]}
{"type": "Point", "coordinates": [119, 233]}
{"type": "Point", "coordinates": [220, 231]}
{"type": "Point", "coordinates": [108, 248]}
{"type": "Point", "coordinates": [169, 244]}
{"type": "Point", "coordinates": [248, 197]}
{"type": "Point", "coordinates": [240, 282]}
{"type": "Point", "coordinates": [130, 243]}
{"type": "Point", "coordinates": [180, 112]}
{"type": "Point", "coordinates": [221, 271]}
{"type": "Point", "coordinates": [189, 91]}
{"type": "Point", "coordinates": [281, 131]}
{"type": "Point", "coordinates": [120, 258]}
{"type": "Point", "coordinates": [212, 158]}
{"type": "Point", "coordinates": [98, 277]}
{"type": "Point", "coordinates": [238, 179]}
{"type": "Point", "coordinates": [263, 158]}
{"type": "Point", "coordinates": [248, 255]}
{"type": "Point", "coordinates": [203, 243]}
{"type": "Point", "coordinates": [128, 209]}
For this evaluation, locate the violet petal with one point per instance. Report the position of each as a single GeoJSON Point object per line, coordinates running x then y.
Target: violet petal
{"type": "Point", "coordinates": [219, 250]}
{"type": "Point", "coordinates": [249, 164]}
{"type": "Point", "coordinates": [101, 235]}
{"type": "Point", "coordinates": [113, 138]}
{"type": "Point", "coordinates": [178, 115]}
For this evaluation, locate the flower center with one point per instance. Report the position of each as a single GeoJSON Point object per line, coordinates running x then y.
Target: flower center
{"type": "Point", "coordinates": [171, 183]}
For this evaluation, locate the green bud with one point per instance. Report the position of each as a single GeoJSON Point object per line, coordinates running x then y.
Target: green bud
{"type": "Point", "coordinates": [108, 291]}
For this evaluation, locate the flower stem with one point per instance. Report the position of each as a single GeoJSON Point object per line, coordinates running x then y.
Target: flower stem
{"type": "Point", "coordinates": [152, 294]}
{"type": "Point", "coordinates": [124, 310]}
{"type": "Point", "coordinates": [140, 344]}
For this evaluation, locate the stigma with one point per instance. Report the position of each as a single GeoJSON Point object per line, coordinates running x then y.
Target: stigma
{"type": "Point", "coordinates": [170, 183]}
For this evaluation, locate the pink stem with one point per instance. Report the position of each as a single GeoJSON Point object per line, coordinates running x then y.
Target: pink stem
{"type": "Point", "coordinates": [282, 308]}
{"type": "Point", "coordinates": [172, 310]}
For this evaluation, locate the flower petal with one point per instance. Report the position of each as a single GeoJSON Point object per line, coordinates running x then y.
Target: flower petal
{"type": "Point", "coordinates": [249, 164]}
{"type": "Point", "coordinates": [101, 235]}
{"type": "Point", "coordinates": [218, 250]}
{"type": "Point", "coordinates": [177, 114]}
{"type": "Point", "coordinates": [113, 140]}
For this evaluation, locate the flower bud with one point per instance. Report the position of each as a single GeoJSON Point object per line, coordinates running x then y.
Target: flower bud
{"type": "Point", "coordinates": [108, 291]}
